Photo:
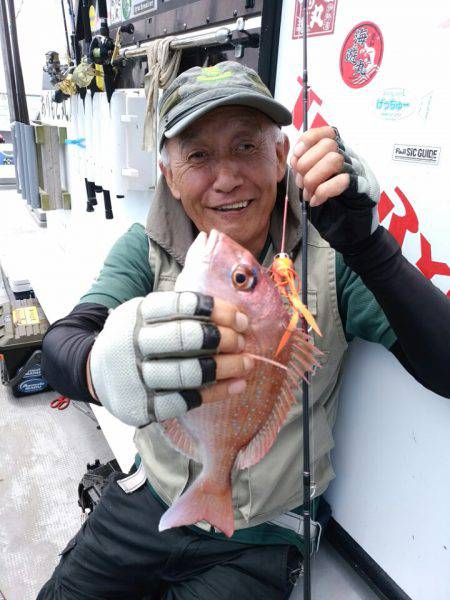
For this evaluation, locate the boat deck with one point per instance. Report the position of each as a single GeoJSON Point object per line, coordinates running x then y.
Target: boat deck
{"type": "Point", "coordinates": [44, 454]}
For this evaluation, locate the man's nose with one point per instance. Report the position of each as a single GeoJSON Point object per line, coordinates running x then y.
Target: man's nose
{"type": "Point", "coordinates": [227, 176]}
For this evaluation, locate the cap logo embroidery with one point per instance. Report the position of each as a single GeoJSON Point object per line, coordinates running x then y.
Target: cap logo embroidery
{"type": "Point", "coordinates": [211, 74]}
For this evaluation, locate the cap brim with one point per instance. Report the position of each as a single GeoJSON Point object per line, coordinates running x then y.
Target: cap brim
{"type": "Point", "coordinates": [273, 109]}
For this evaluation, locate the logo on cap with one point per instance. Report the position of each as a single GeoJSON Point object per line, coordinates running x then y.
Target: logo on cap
{"type": "Point", "coordinates": [210, 74]}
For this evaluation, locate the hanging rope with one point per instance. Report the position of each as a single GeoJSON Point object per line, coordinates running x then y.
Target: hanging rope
{"type": "Point", "coordinates": [163, 65]}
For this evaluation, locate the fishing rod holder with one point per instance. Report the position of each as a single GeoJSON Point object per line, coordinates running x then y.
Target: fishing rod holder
{"type": "Point", "coordinates": [252, 39]}
{"type": "Point", "coordinates": [128, 28]}
{"type": "Point", "coordinates": [219, 36]}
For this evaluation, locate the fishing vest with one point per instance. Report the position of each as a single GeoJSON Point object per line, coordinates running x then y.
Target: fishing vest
{"type": "Point", "coordinates": [274, 485]}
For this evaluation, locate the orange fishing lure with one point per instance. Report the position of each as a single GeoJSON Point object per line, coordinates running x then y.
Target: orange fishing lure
{"type": "Point", "coordinates": [288, 282]}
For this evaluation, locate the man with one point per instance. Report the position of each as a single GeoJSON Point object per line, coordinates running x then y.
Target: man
{"type": "Point", "coordinates": [160, 353]}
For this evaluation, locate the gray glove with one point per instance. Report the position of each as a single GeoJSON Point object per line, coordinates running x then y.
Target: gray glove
{"type": "Point", "coordinates": [152, 356]}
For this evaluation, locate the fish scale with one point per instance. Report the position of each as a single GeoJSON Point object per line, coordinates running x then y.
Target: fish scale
{"type": "Point", "coordinates": [237, 432]}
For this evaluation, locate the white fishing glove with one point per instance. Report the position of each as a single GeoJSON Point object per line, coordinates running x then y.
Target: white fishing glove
{"type": "Point", "coordinates": [152, 356]}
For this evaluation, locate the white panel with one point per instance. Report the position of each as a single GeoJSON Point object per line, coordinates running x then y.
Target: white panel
{"type": "Point", "coordinates": [90, 171]}
{"type": "Point", "coordinates": [140, 169]}
{"type": "Point", "coordinates": [392, 444]}
{"type": "Point", "coordinates": [79, 151]}
{"type": "Point", "coordinates": [118, 143]}
{"type": "Point", "coordinates": [134, 168]}
{"type": "Point", "coordinates": [97, 150]}
{"type": "Point", "coordinates": [392, 460]}
{"type": "Point", "coordinates": [105, 142]}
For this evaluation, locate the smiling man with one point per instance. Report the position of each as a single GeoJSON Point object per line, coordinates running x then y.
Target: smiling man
{"type": "Point", "coordinates": [222, 183]}
{"type": "Point", "coordinates": [160, 353]}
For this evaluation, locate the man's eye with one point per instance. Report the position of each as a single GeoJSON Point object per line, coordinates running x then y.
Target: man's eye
{"type": "Point", "coordinates": [197, 155]}
{"type": "Point", "coordinates": [246, 147]}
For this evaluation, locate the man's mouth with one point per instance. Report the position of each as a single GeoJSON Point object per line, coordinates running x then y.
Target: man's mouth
{"type": "Point", "coordinates": [234, 206]}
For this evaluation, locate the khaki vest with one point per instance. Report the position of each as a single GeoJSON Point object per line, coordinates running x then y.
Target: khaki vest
{"type": "Point", "coordinates": [274, 485]}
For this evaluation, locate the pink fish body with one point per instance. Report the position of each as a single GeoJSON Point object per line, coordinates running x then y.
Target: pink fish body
{"type": "Point", "coordinates": [239, 431]}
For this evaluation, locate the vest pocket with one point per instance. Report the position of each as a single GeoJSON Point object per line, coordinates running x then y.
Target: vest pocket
{"type": "Point", "coordinates": [166, 283]}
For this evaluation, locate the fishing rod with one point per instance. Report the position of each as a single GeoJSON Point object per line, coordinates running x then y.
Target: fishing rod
{"type": "Point", "coordinates": [73, 51]}
{"type": "Point", "coordinates": [69, 51]}
{"type": "Point", "coordinates": [73, 35]}
{"type": "Point", "coordinates": [101, 49]}
{"type": "Point", "coordinates": [305, 383]}
{"type": "Point", "coordinates": [282, 272]}
{"type": "Point", "coordinates": [100, 52]}
{"type": "Point", "coordinates": [280, 267]}
{"type": "Point", "coordinates": [87, 38]}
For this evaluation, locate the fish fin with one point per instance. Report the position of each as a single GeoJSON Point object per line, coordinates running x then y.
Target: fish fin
{"type": "Point", "coordinates": [302, 358]}
{"type": "Point", "coordinates": [201, 502]}
{"type": "Point", "coordinates": [258, 447]}
{"type": "Point", "coordinates": [305, 343]}
{"type": "Point", "coordinates": [287, 334]}
{"type": "Point", "coordinates": [181, 440]}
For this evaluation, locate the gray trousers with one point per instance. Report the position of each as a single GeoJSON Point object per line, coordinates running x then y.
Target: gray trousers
{"type": "Point", "coordinates": [120, 554]}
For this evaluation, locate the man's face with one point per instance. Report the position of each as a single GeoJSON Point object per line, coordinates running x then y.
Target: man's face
{"type": "Point", "coordinates": [224, 169]}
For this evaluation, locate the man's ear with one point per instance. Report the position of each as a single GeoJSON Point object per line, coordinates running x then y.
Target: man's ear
{"type": "Point", "coordinates": [167, 172]}
{"type": "Point", "coordinates": [282, 150]}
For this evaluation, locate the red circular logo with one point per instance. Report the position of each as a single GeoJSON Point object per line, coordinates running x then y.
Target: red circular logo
{"type": "Point", "coordinates": [361, 55]}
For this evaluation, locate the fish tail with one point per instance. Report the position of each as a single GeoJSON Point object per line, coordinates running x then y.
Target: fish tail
{"type": "Point", "coordinates": [201, 502]}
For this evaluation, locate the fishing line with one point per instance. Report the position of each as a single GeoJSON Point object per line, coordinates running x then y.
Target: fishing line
{"type": "Point", "coordinates": [286, 200]}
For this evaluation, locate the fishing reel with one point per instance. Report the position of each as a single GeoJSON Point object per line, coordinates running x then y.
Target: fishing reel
{"type": "Point", "coordinates": [65, 89]}
{"type": "Point", "coordinates": [83, 73]}
{"type": "Point", "coordinates": [60, 77]}
{"type": "Point", "coordinates": [101, 50]}
{"type": "Point", "coordinates": [53, 67]}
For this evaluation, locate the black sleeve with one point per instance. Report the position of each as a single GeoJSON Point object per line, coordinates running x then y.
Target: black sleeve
{"type": "Point", "coordinates": [65, 349]}
{"type": "Point", "coordinates": [417, 311]}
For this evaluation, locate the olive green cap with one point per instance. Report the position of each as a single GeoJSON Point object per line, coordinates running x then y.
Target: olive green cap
{"type": "Point", "coordinates": [200, 89]}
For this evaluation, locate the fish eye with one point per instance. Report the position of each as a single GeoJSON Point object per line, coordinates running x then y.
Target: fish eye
{"type": "Point", "coordinates": [244, 279]}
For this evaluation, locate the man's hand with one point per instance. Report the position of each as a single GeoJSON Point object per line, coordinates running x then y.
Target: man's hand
{"type": "Point", "coordinates": [341, 189]}
{"type": "Point", "coordinates": [160, 356]}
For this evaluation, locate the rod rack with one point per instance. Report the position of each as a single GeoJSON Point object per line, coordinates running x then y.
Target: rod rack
{"type": "Point", "coordinates": [210, 37]}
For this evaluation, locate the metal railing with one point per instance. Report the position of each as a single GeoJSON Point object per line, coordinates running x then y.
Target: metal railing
{"type": "Point", "coordinates": [207, 37]}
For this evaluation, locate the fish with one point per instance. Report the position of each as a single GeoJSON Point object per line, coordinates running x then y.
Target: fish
{"type": "Point", "coordinates": [236, 433]}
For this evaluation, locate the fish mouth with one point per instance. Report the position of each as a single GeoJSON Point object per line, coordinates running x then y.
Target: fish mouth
{"type": "Point", "coordinates": [202, 248]}
{"type": "Point", "coordinates": [211, 242]}
{"type": "Point", "coordinates": [196, 265]}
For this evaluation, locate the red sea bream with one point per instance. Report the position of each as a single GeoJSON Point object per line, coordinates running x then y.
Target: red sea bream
{"type": "Point", "coordinates": [235, 433]}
